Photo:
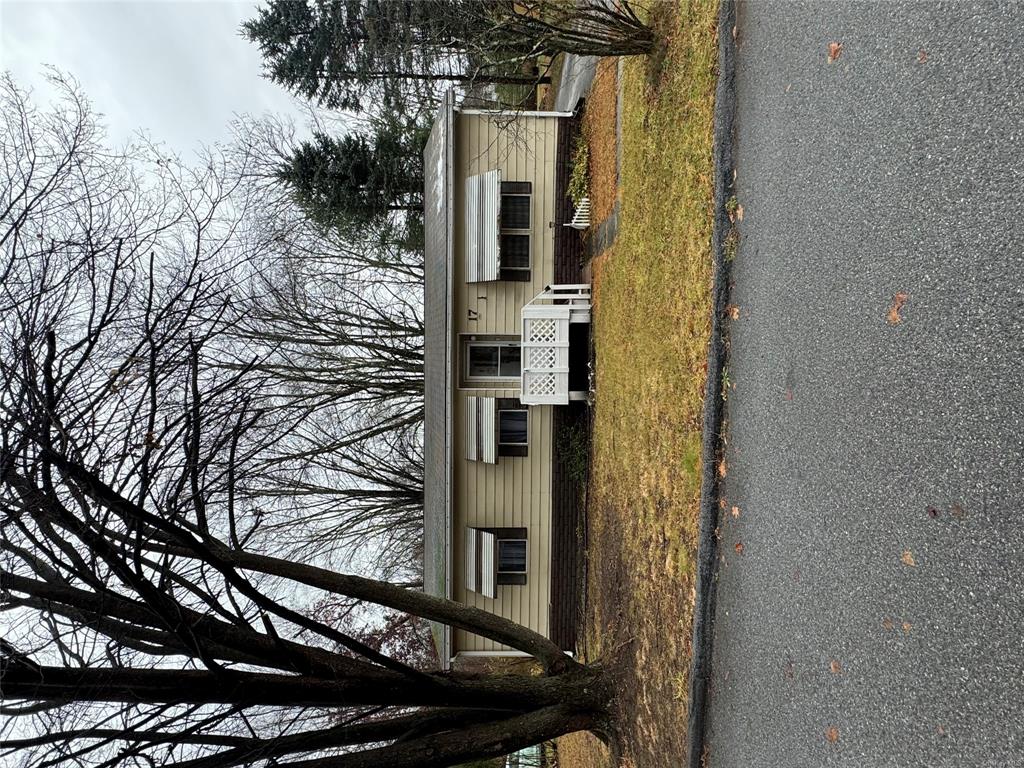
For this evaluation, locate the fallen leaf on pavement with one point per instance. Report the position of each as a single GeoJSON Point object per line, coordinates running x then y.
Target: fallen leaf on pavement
{"type": "Point", "coordinates": [834, 49]}
{"type": "Point", "coordinates": [907, 626]}
{"type": "Point", "coordinates": [787, 670]}
{"type": "Point", "coordinates": [735, 511]}
{"type": "Point", "coordinates": [922, 56]}
{"type": "Point", "coordinates": [933, 512]}
{"type": "Point", "coordinates": [832, 734]}
{"type": "Point", "coordinates": [722, 503]}
{"type": "Point", "coordinates": [894, 311]}
{"type": "Point", "coordinates": [835, 666]}
{"type": "Point", "coordinates": [907, 558]}
{"type": "Point", "coordinates": [956, 510]}
{"type": "Point", "coordinates": [721, 468]}
{"type": "Point", "coordinates": [733, 311]}
{"type": "Point", "coordinates": [739, 213]}
{"type": "Point", "coordinates": [887, 624]}
{"type": "Point", "coordinates": [739, 547]}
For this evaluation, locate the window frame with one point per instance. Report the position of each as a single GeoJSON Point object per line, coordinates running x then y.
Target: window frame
{"type": "Point", "coordinates": [501, 578]}
{"type": "Point", "coordinates": [526, 556]}
{"type": "Point", "coordinates": [471, 379]}
{"type": "Point", "coordinates": [517, 274]}
{"type": "Point", "coordinates": [505, 404]}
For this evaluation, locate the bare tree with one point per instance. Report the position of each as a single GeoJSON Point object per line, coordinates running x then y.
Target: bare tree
{"type": "Point", "coordinates": [511, 31]}
{"type": "Point", "coordinates": [329, 330]}
{"type": "Point", "coordinates": [336, 327]}
{"type": "Point", "coordinates": [347, 54]}
{"type": "Point", "coordinates": [148, 617]}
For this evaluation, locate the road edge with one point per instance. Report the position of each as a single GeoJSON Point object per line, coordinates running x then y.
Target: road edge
{"type": "Point", "coordinates": [707, 541]}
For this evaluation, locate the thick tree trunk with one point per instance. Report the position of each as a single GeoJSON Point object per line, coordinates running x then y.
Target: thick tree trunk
{"type": "Point", "coordinates": [343, 735]}
{"type": "Point", "coordinates": [476, 742]}
{"type": "Point", "coordinates": [453, 77]}
{"type": "Point", "coordinates": [169, 686]}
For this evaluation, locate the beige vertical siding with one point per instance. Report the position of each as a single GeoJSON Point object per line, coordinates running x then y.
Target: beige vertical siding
{"type": "Point", "coordinates": [515, 492]}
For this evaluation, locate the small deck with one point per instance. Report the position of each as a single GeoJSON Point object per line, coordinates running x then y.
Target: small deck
{"type": "Point", "coordinates": [545, 342]}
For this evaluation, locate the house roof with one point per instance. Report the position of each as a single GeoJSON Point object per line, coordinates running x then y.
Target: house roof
{"type": "Point", "coordinates": [438, 159]}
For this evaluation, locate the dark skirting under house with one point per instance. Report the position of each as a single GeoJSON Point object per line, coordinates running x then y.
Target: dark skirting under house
{"type": "Point", "coordinates": [567, 522]}
{"type": "Point", "coordinates": [569, 250]}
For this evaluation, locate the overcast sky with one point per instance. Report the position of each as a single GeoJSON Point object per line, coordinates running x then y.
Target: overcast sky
{"type": "Point", "coordinates": [177, 69]}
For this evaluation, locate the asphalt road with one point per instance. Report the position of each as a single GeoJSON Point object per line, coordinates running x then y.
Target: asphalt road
{"type": "Point", "coordinates": [875, 615]}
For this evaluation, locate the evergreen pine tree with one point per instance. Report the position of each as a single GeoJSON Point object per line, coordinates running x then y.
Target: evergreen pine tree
{"type": "Point", "coordinates": [355, 180]}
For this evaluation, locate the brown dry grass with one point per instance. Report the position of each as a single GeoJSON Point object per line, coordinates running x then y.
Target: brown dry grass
{"type": "Point", "coordinates": [582, 749]}
{"type": "Point", "coordinates": [599, 133]}
{"type": "Point", "coordinates": [651, 328]}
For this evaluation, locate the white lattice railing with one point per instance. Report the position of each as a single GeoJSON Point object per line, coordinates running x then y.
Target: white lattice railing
{"type": "Point", "coordinates": [545, 341]}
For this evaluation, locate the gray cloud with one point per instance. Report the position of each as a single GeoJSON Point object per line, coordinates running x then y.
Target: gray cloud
{"type": "Point", "coordinates": [177, 70]}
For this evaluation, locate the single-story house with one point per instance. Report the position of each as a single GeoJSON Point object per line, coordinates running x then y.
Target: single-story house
{"type": "Point", "coordinates": [507, 344]}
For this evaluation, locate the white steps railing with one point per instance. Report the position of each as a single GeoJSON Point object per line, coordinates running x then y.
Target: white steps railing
{"type": "Point", "coordinates": [581, 219]}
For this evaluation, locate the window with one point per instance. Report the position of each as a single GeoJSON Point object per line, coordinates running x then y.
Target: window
{"type": "Point", "coordinates": [496, 426]}
{"type": "Point", "coordinates": [495, 557]}
{"type": "Point", "coordinates": [515, 209]}
{"type": "Point", "coordinates": [513, 429]}
{"type": "Point", "coordinates": [490, 360]}
{"type": "Point", "coordinates": [516, 204]}
{"type": "Point", "coordinates": [511, 556]}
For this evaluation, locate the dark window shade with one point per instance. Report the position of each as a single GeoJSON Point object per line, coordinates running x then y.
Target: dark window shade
{"type": "Point", "coordinates": [515, 211]}
{"type": "Point", "coordinates": [515, 251]}
{"type": "Point", "coordinates": [513, 450]}
{"type": "Point", "coordinates": [511, 556]}
{"type": "Point", "coordinates": [483, 361]}
{"type": "Point", "coordinates": [512, 427]}
{"type": "Point", "coordinates": [511, 362]}
{"type": "Point", "coordinates": [510, 404]}
{"type": "Point", "coordinates": [515, 275]}
{"type": "Point", "coordinates": [516, 188]}
{"type": "Point", "coordinates": [505, 579]}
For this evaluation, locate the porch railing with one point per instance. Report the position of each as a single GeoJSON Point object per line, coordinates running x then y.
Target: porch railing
{"type": "Point", "coordinates": [545, 340]}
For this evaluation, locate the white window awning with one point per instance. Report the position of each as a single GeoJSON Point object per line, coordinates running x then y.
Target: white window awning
{"type": "Point", "coordinates": [483, 213]}
{"type": "Point", "coordinates": [481, 565]}
{"type": "Point", "coordinates": [481, 430]}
